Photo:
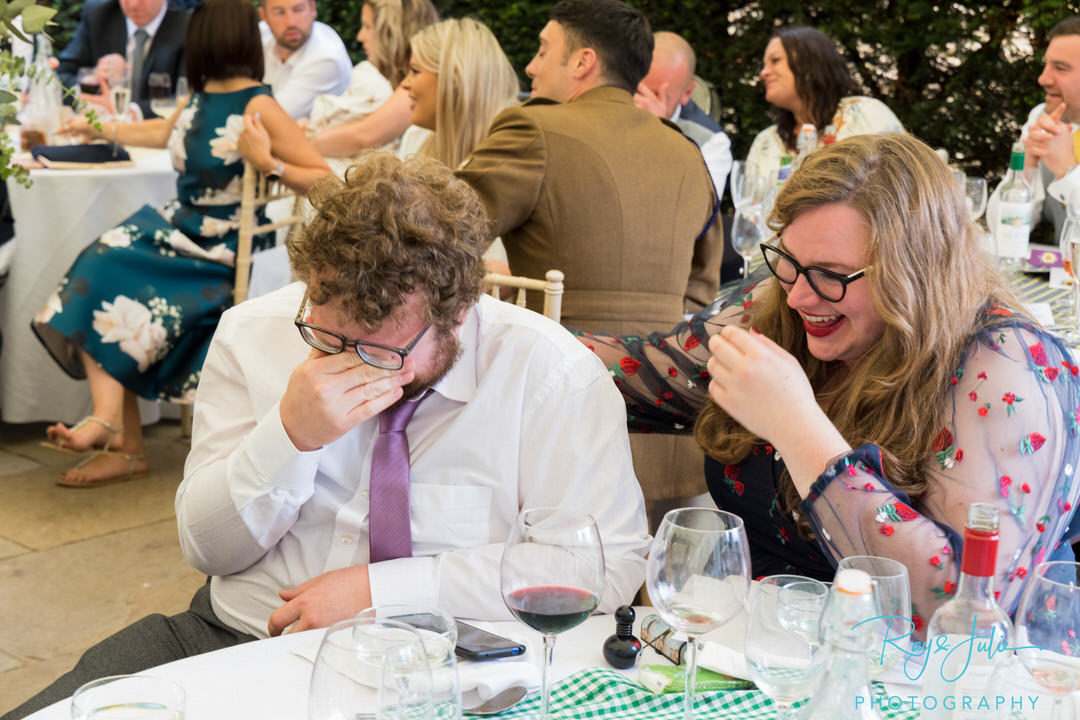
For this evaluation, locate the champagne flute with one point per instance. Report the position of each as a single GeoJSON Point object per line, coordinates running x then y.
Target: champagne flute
{"type": "Point", "coordinates": [552, 576]}
{"type": "Point", "coordinates": [367, 667]}
{"type": "Point", "coordinates": [697, 576]}
{"type": "Point", "coordinates": [745, 236]}
{"type": "Point", "coordinates": [784, 652]}
{"type": "Point", "coordinates": [120, 95]}
{"type": "Point", "coordinates": [1047, 629]}
{"type": "Point", "coordinates": [893, 592]}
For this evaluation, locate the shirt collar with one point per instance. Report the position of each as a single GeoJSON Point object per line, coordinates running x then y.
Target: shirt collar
{"type": "Point", "coordinates": [460, 383]}
{"type": "Point", "coordinates": [151, 27]}
{"type": "Point", "coordinates": [677, 114]}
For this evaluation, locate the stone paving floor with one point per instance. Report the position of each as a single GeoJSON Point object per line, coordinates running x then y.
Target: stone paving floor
{"type": "Point", "coordinates": [77, 565]}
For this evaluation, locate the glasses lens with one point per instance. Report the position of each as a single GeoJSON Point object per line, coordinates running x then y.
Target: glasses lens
{"type": "Point", "coordinates": [379, 357]}
{"type": "Point", "coordinates": [827, 286]}
{"type": "Point", "coordinates": [780, 265]}
{"type": "Point", "coordinates": [321, 339]}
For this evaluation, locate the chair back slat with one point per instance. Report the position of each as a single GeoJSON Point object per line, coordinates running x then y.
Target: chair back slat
{"type": "Point", "coordinates": [551, 286]}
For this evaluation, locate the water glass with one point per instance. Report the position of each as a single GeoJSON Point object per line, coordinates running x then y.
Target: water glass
{"type": "Point", "coordinates": [438, 632]}
{"type": "Point", "coordinates": [698, 576]}
{"type": "Point", "coordinates": [369, 667]}
{"type": "Point", "coordinates": [745, 236]}
{"type": "Point", "coordinates": [892, 589]}
{"type": "Point", "coordinates": [128, 697]}
{"type": "Point", "coordinates": [162, 100]}
{"type": "Point", "coordinates": [784, 652]}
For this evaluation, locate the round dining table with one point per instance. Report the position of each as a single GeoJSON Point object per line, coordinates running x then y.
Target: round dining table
{"type": "Point", "coordinates": [61, 213]}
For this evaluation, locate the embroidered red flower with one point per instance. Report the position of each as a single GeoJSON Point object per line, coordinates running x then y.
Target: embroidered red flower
{"type": "Point", "coordinates": [973, 396]}
{"type": "Point", "coordinates": [731, 472]}
{"type": "Point", "coordinates": [785, 534]}
{"type": "Point", "coordinates": [936, 562]}
{"type": "Point", "coordinates": [739, 487]}
{"type": "Point", "coordinates": [1051, 373]}
{"type": "Point", "coordinates": [1008, 398]}
{"type": "Point", "coordinates": [1038, 354]}
{"type": "Point", "coordinates": [959, 455]}
{"type": "Point", "coordinates": [887, 530]}
{"type": "Point", "coordinates": [1026, 488]}
{"type": "Point", "coordinates": [672, 372]}
{"type": "Point", "coordinates": [747, 304]}
{"type": "Point", "coordinates": [1037, 440]}
{"type": "Point", "coordinates": [918, 622]}
{"type": "Point", "coordinates": [943, 440]}
{"type": "Point", "coordinates": [952, 381]}
{"type": "Point", "coordinates": [950, 587]}
{"type": "Point", "coordinates": [904, 512]}
{"type": "Point", "coordinates": [1040, 527]}
{"type": "Point", "coordinates": [692, 342]}
{"type": "Point", "coordinates": [668, 394]}
{"type": "Point", "coordinates": [982, 375]}
{"type": "Point", "coordinates": [1021, 571]}
{"type": "Point", "coordinates": [1074, 369]}
{"type": "Point", "coordinates": [768, 449]}
{"type": "Point", "coordinates": [868, 486]}
{"type": "Point", "coordinates": [984, 409]}
{"type": "Point", "coordinates": [629, 365]}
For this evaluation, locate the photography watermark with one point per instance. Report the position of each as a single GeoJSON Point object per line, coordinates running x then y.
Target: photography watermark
{"type": "Point", "coordinates": [950, 702]}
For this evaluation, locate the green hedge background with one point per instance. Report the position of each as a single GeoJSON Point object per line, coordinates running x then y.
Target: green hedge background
{"type": "Point", "coordinates": [960, 75]}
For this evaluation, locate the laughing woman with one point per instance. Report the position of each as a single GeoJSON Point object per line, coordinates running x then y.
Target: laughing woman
{"type": "Point", "coordinates": [134, 315]}
{"type": "Point", "coordinates": [882, 379]}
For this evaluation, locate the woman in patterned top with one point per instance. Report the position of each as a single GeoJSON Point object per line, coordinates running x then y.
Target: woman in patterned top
{"type": "Point", "coordinates": [807, 81]}
{"type": "Point", "coordinates": [134, 315]}
{"type": "Point", "coordinates": [884, 378]}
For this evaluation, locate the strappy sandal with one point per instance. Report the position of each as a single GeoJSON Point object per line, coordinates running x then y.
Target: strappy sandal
{"type": "Point", "coordinates": [113, 432]}
{"type": "Point", "coordinates": [131, 474]}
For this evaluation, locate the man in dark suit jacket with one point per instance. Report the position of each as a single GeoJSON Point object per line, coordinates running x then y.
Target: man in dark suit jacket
{"type": "Point", "coordinates": [103, 31]}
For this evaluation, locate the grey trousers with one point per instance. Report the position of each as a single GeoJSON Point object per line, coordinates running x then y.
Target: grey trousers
{"type": "Point", "coordinates": [152, 641]}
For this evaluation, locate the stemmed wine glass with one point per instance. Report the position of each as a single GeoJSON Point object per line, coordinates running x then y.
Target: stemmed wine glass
{"type": "Point", "coordinates": [744, 183]}
{"type": "Point", "coordinates": [1048, 630]}
{"type": "Point", "coordinates": [745, 236]}
{"type": "Point", "coordinates": [552, 576]}
{"type": "Point", "coordinates": [784, 652]}
{"type": "Point", "coordinates": [975, 195]}
{"type": "Point", "coordinates": [892, 589]}
{"type": "Point", "coordinates": [162, 100]}
{"type": "Point", "coordinates": [698, 575]}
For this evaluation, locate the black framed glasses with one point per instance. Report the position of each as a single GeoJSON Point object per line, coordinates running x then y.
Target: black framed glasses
{"type": "Point", "coordinates": [384, 357]}
{"type": "Point", "coordinates": [827, 284]}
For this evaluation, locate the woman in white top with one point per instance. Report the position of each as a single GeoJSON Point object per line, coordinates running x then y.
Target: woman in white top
{"type": "Point", "coordinates": [385, 29]}
{"type": "Point", "coordinates": [807, 81]}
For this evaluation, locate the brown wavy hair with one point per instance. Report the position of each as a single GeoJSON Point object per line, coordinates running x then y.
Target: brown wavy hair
{"type": "Point", "coordinates": [931, 283]}
{"type": "Point", "coordinates": [389, 229]}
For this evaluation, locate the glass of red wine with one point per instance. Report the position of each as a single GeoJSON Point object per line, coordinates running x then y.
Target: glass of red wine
{"type": "Point", "coordinates": [552, 576]}
{"type": "Point", "coordinates": [698, 576]}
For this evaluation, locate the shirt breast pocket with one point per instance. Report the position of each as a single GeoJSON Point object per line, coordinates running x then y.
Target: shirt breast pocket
{"type": "Point", "coordinates": [448, 517]}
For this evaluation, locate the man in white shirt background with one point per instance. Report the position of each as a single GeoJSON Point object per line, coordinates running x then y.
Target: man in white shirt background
{"type": "Point", "coordinates": [1048, 133]}
{"type": "Point", "coordinates": [666, 91]}
{"type": "Point", "coordinates": [304, 58]}
{"type": "Point", "coordinates": [287, 500]}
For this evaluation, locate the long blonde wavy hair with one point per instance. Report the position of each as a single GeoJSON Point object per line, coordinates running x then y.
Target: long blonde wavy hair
{"type": "Point", "coordinates": [931, 285]}
{"type": "Point", "coordinates": [395, 22]}
{"type": "Point", "coordinates": [476, 82]}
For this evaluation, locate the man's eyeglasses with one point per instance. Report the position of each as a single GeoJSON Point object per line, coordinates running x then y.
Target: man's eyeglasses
{"type": "Point", "coordinates": [374, 354]}
{"type": "Point", "coordinates": [828, 285]}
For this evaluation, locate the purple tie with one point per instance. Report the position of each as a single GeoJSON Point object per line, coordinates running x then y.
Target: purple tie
{"type": "Point", "coordinates": [389, 535]}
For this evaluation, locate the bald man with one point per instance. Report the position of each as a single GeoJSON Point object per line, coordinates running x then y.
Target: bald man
{"type": "Point", "coordinates": [666, 91]}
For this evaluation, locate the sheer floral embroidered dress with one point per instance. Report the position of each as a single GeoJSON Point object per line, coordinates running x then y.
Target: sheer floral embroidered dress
{"type": "Point", "coordinates": [1013, 408]}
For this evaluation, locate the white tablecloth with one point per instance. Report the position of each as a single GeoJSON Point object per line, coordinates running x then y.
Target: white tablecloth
{"type": "Point", "coordinates": [266, 680]}
{"type": "Point", "coordinates": [58, 216]}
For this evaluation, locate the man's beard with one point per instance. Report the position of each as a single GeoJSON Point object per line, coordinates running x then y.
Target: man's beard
{"type": "Point", "coordinates": [293, 45]}
{"type": "Point", "coordinates": [447, 352]}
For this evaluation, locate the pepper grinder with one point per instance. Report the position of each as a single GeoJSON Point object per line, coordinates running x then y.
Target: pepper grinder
{"type": "Point", "coordinates": [621, 649]}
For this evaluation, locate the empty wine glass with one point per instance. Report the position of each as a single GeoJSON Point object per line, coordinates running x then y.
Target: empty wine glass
{"type": "Point", "coordinates": [747, 184]}
{"type": "Point", "coordinates": [552, 576]}
{"type": "Point", "coordinates": [1047, 629]}
{"type": "Point", "coordinates": [893, 592]}
{"type": "Point", "coordinates": [697, 576]}
{"type": "Point", "coordinates": [975, 195]}
{"type": "Point", "coordinates": [745, 236]}
{"type": "Point", "coordinates": [369, 667]}
{"type": "Point", "coordinates": [784, 652]}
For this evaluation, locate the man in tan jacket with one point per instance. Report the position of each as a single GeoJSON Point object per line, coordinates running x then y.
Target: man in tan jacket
{"type": "Point", "coordinates": [580, 180]}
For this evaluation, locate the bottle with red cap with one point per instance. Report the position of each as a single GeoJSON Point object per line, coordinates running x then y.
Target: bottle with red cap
{"type": "Point", "coordinates": [970, 635]}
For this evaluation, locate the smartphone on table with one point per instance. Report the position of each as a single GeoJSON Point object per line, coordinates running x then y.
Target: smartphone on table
{"type": "Point", "coordinates": [472, 642]}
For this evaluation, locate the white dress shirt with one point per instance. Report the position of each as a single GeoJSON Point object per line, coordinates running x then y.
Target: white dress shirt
{"type": "Point", "coordinates": [151, 29]}
{"type": "Point", "coordinates": [527, 417]}
{"type": "Point", "coordinates": [320, 66]}
{"type": "Point", "coordinates": [717, 154]}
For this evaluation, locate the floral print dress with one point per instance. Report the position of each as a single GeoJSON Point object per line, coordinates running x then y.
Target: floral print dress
{"type": "Point", "coordinates": [144, 299]}
{"type": "Point", "coordinates": [1010, 438]}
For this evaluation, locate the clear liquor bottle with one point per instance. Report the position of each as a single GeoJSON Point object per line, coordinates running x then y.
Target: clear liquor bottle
{"type": "Point", "coordinates": [1013, 232]}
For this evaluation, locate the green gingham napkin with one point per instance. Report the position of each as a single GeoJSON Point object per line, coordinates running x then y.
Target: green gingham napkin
{"type": "Point", "coordinates": [600, 693]}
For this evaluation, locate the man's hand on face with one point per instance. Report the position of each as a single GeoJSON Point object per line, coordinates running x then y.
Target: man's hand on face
{"type": "Point", "coordinates": [323, 600]}
{"type": "Point", "coordinates": [654, 102]}
{"type": "Point", "coordinates": [328, 395]}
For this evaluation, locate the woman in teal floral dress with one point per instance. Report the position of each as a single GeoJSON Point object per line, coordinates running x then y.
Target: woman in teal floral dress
{"type": "Point", "coordinates": [135, 313]}
{"type": "Point", "coordinates": [879, 382]}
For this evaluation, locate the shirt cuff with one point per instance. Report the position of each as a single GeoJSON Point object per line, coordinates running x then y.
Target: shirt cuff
{"type": "Point", "coordinates": [410, 581]}
{"type": "Point", "coordinates": [1060, 187]}
{"type": "Point", "coordinates": [274, 457]}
